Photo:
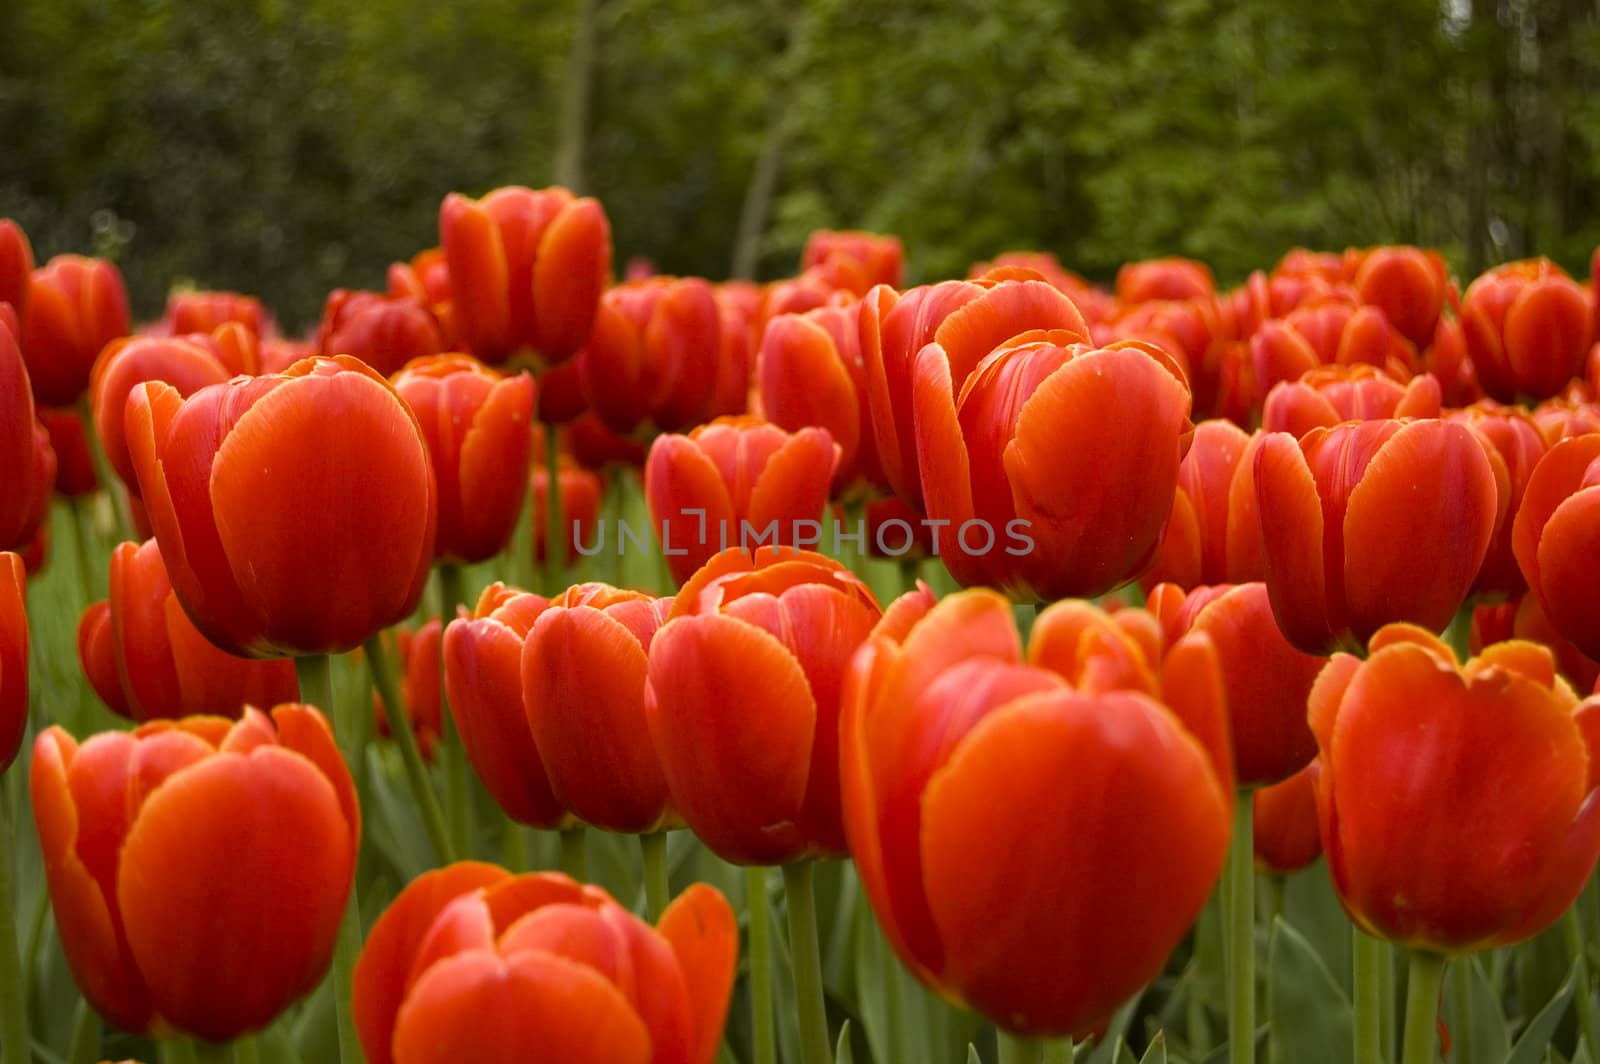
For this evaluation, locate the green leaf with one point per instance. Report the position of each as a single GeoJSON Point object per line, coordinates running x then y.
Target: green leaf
{"type": "Point", "coordinates": [1157, 1052]}
{"type": "Point", "coordinates": [1308, 1014]}
{"type": "Point", "coordinates": [1124, 1054]}
{"type": "Point", "coordinates": [1109, 1048]}
{"type": "Point", "coordinates": [972, 1054]}
{"type": "Point", "coordinates": [1482, 1023]}
{"type": "Point", "coordinates": [1537, 1035]}
{"type": "Point", "coordinates": [842, 1053]}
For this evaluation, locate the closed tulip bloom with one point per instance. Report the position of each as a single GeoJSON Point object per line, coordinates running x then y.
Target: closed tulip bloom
{"type": "Point", "coordinates": [69, 439]}
{"type": "Point", "coordinates": [969, 768]}
{"type": "Point", "coordinates": [13, 657]}
{"type": "Point", "coordinates": [1357, 392]}
{"type": "Point", "coordinates": [1515, 446]}
{"type": "Point", "coordinates": [1556, 538]}
{"type": "Point", "coordinates": [203, 312]}
{"type": "Point", "coordinates": [1409, 285]}
{"type": "Point", "coordinates": [1287, 834]}
{"type": "Point", "coordinates": [187, 363]}
{"type": "Point", "coordinates": [75, 307]}
{"type": "Point", "coordinates": [526, 270]}
{"type": "Point", "coordinates": [743, 701]}
{"type": "Point", "coordinates": [198, 869]}
{"type": "Point", "coordinates": [1327, 332]}
{"type": "Point", "coordinates": [25, 451]}
{"type": "Point", "coordinates": [583, 678]}
{"type": "Point", "coordinates": [1446, 358]}
{"type": "Point", "coordinates": [738, 481]}
{"type": "Point", "coordinates": [653, 356]}
{"type": "Point", "coordinates": [479, 428]}
{"type": "Point", "coordinates": [1210, 537]}
{"type": "Point", "coordinates": [880, 257]}
{"type": "Point", "coordinates": [420, 684]}
{"type": "Point", "coordinates": [1457, 802]}
{"type": "Point", "coordinates": [1055, 464]}
{"type": "Point", "coordinates": [145, 658]}
{"type": "Point", "coordinates": [1528, 328]}
{"type": "Point", "coordinates": [483, 685]}
{"type": "Point", "coordinates": [16, 265]}
{"type": "Point", "coordinates": [738, 303]}
{"type": "Point", "coordinates": [1171, 278]}
{"type": "Point", "coordinates": [968, 319]}
{"type": "Point", "coordinates": [1342, 512]}
{"type": "Point", "coordinates": [472, 963]}
{"type": "Point", "coordinates": [386, 332]}
{"type": "Point", "coordinates": [295, 511]}
{"type": "Point", "coordinates": [1096, 304]}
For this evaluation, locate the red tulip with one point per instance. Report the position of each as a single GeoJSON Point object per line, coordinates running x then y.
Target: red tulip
{"type": "Point", "coordinates": [653, 356]}
{"type": "Point", "coordinates": [145, 658]}
{"type": "Point", "coordinates": [420, 683]}
{"type": "Point", "coordinates": [1188, 330]}
{"type": "Point", "coordinates": [1447, 360]}
{"type": "Point", "coordinates": [1173, 278]}
{"type": "Point", "coordinates": [1528, 329]}
{"type": "Point", "coordinates": [13, 657]}
{"type": "Point", "coordinates": [526, 270]}
{"type": "Point", "coordinates": [25, 451]}
{"type": "Point", "coordinates": [1356, 392]}
{"type": "Point", "coordinates": [743, 701]}
{"type": "Point", "coordinates": [198, 869]}
{"type": "Point", "coordinates": [1287, 835]}
{"type": "Point", "coordinates": [881, 258]}
{"type": "Point", "coordinates": [1344, 512]}
{"type": "Point", "coordinates": [593, 446]}
{"type": "Point", "coordinates": [1055, 465]}
{"type": "Point", "coordinates": [1525, 619]}
{"type": "Point", "coordinates": [478, 427]}
{"type": "Point", "coordinates": [1211, 536]}
{"type": "Point", "coordinates": [1457, 802]}
{"type": "Point", "coordinates": [471, 963]}
{"type": "Point", "coordinates": [16, 265]}
{"type": "Point", "coordinates": [966, 766]}
{"type": "Point", "coordinates": [296, 511]}
{"type": "Point", "coordinates": [386, 332]}
{"type": "Point", "coordinates": [69, 440]}
{"type": "Point", "coordinates": [188, 363]}
{"type": "Point", "coordinates": [1515, 446]}
{"type": "Point", "coordinates": [1559, 419]}
{"type": "Point", "coordinates": [1096, 304]}
{"type": "Point", "coordinates": [1408, 284]}
{"type": "Point", "coordinates": [738, 303]}
{"type": "Point", "coordinates": [204, 312]}
{"type": "Point", "coordinates": [1556, 538]}
{"type": "Point", "coordinates": [1329, 331]}
{"type": "Point", "coordinates": [75, 307]}
{"type": "Point", "coordinates": [738, 481]}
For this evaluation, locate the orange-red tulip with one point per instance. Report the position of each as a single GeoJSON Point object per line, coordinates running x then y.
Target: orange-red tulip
{"type": "Point", "coordinates": [1328, 331]}
{"type": "Point", "coordinates": [471, 963]}
{"type": "Point", "coordinates": [25, 451]}
{"type": "Point", "coordinates": [188, 363]}
{"type": "Point", "coordinates": [386, 332]}
{"type": "Point", "coordinates": [420, 683]}
{"type": "Point", "coordinates": [1556, 538]}
{"type": "Point", "coordinates": [738, 304]}
{"type": "Point", "coordinates": [1515, 446]}
{"type": "Point", "coordinates": [1560, 418]}
{"type": "Point", "coordinates": [1287, 835]}
{"type": "Point", "coordinates": [479, 429]}
{"type": "Point", "coordinates": [1447, 360]}
{"type": "Point", "coordinates": [969, 769]}
{"type": "Point", "coordinates": [204, 312]}
{"type": "Point", "coordinates": [1458, 803]}
{"type": "Point", "coordinates": [16, 265]}
{"type": "Point", "coordinates": [69, 439]}
{"type": "Point", "coordinates": [743, 701]}
{"type": "Point", "coordinates": [1344, 513]}
{"type": "Point", "coordinates": [1172, 278]}
{"type": "Point", "coordinates": [295, 511]}
{"type": "Point", "coordinates": [75, 307]}
{"type": "Point", "coordinates": [654, 354]}
{"type": "Point", "coordinates": [199, 868]}
{"type": "Point", "coordinates": [881, 258]}
{"type": "Point", "coordinates": [583, 677]}
{"type": "Point", "coordinates": [483, 683]}
{"type": "Point", "coordinates": [145, 658]}
{"type": "Point", "coordinates": [1528, 329]}
{"type": "Point", "coordinates": [1211, 535]}
{"type": "Point", "coordinates": [1408, 284]}
{"type": "Point", "coordinates": [1525, 619]}
{"type": "Point", "coordinates": [1187, 329]}
{"type": "Point", "coordinates": [13, 657]}
{"type": "Point", "coordinates": [1095, 303]}
{"type": "Point", "coordinates": [526, 270]}
{"type": "Point", "coordinates": [1055, 465]}
{"type": "Point", "coordinates": [1356, 392]}
{"type": "Point", "coordinates": [738, 481]}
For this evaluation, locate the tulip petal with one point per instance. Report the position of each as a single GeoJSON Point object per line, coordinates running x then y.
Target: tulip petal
{"type": "Point", "coordinates": [1290, 514]}
{"type": "Point", "coordinates": [944, 463]}
{"type": "Point", "coordinates": [700, 927]}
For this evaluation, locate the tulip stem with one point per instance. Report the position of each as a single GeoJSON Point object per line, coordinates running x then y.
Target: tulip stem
{"type": "Point", "coordinates": [555, 544]}
{"type": "Point", "coordinates": [400, 731]}
{"type": "Point", "coordinates": [1458, 633]}
{"type": "Point", "coordinates": [178, 1051]}
{"type": "Point", "coordinates": [1367, 956]}
{"type": "Point", "coordinates": [1572, 931]}
{"type": "Point", "coordinates": [457, 781]}
{"type": "Point", "coordinates": [575, 853]}
{"type": "Point", "coordinates": [211, 1052]}
{"type": "Point", "coordinates": [110, 482]}
{"type": "Point", "coordinates": [653, 848]}
{"type": "Point", "coordinates": [245, 1050]}
{"type": "Point", "coordinates": [14, 1045]}
{"type": "Point", "coordinates": [85, 1047]}
{"type": "Point", "coordinates": [755, 884]}
{"type": "Point", "coordinates": [807, 957]}
{"type": "Point", "coordinates": [1463, 1034]}
{"type": "Point", "coordinates": [1014, 1049]}
{"type": "Point", "coordinates": [1422, 1006]}
{"type": "Point", "coordinates": [1239, 909]}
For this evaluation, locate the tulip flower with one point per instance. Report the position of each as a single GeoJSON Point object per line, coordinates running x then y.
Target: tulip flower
{"type": "Point", "coordinates": [1095, 303]}
{"type": "Point", "coordinates": [581, 492]}
{"type": "Point", "coordinates": [204, 312]}
{"type": "Point", "coordinates": [653, 356]}
{"type": "Point", "coordinates": [69, 440]}
{"type": "Point", "coordinates": [1357, 392]}
{"type": "Point", "coordinates": [75, 307]}
{"type": "Point", "coordinates": [1173, 278]}
{"type": "Point", "coordinates": [1187, 329]}
{"type": "Point", "coordinates": [738, 303]}
{"type": "Point", "coordinates": [16, 265]}
{"type": "Point", "coordinates": [198, 869]}
{"type": "Point", "coordinates": [1457, 802]}
{"type": "Point", "coordinates": [187, 363]}
{"type": "Point", "coordinates": [13, 657]}
{"type": "Point", "coordinates": [386, 332]}
{"type": "Point", "coordinates": [483, 685]}
{"type": "Point", "coordinates": [1330, 331]}
{"type": "Point", "coordinates": [1525, 619]}
{"type": "Point", "coordinates": [738, 481]}
{"type": "Point", "coordinates": [1528, 328]}
{"type": "Point", "coordinates": [1559, 419]}
{"type": "Point", "coordinates": [880, 258]}
{"type": "Point", "coordinates": [968, 319]}
{"type": "Point", "coordinates": [472, 963]}
{"type": "Point", "coordinates": [526, 270]}
{"type": "Point", "coordinates": [145, 658]}
{"type": "Point", "coordinates": [1556, 539]}
{"type": "Point", "coordinates": [583, 680]}
{"type": "Point", "coordinates": [25, 451]}
{"type": "Point", "coordinates": [1287, 835]}
{"type": "Point", "coordinates": [478, 426]}
{"type": "Point", "coordinates": [743, 701]}
{"type": "Point", "coordinates": [1055, 465]}
{"type": "Point", "coordinates": [1515, 446]}
{"type": "Point", "coordinates": [1409, 285]}
{"type": "Point", "coordinates": [420, 684]}
{"type": "Point", "coordinates": [967, 765]}
{"type": "Point", "coordinates": [1343, 512]}
{"type": "Point", "coordinates": [1211, 535]}
{"type": "Point", "coordinates": [1447, 360]}
{"type": "Point", "coordinates": [295, 511]}
{"type": "Point", "coordinates": [593, 446]}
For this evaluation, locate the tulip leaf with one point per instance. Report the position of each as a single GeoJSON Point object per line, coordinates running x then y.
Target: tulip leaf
{"type": "Point", "coordinates": [1308, 1014]}
{"type": "Point", "coordinates": [843, 1053]}
{"type": "Point", "coordinates": [1536, 1036]}
{"type": "Point", "coordinates": [1312, 906]}
{"type": "Point", "coordinates": [1156, 1053]}
{"type": "Point", "coordinates": [1477, 1031]}
{"type": "Point", "coordinates": [870, 976]}
{"type": "Point", "coordinates": [1108, 1049]}
{"type": "Point", "coordinates": [972, 1054]}
{"type": "Point", "coordinates": [1124, 1054]}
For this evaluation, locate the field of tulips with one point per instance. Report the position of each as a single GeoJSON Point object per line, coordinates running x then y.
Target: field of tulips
{"type": "Point", "coordinates": [527, 666]}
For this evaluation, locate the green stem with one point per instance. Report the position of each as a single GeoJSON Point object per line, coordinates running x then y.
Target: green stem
{"type": "Point", "coordinates": [653, 847]}
{"type": "Point", "coordinates": [30, 955]}
{"type": "Point", "coordinates": [1463, 1036]}
{"type": "Point", "coordinates": [1422, 1007]}
{"type": "Point", "coordinates": [1366, 957]}
{"type": "Point", "coordinates": [110, 483]}
{"type": "Point", "coordinates": [400, 731]}
{"type": "Point", "coordinates": [765, 1049]}
{"type": "Point", "coordinates": [1278, 887]}
{"type": "Point", "coordinates": [211, 1052]}
{"type": "Point", "coordinates": [14, 1045]}
{"type": "Point", "coordinates": [316, 689]}
{"type": "Point", "coordinates": [909, 570]}
{"type": "Point", "coordinates": [555, 543]}
{"type": "Point", "coordinates": [575, 853]}
{"type": "Point", "coordinates": [1058, 1051]}
{"type": "Point", "coordinates": [245, 1050]}
{"type": "Point", "coordinates": [85, 1048]}
{"type": "Point", "coordinates": [513, 846]}
{"type": "Point", "coordinates": [1572, 931]}
{"type": "Point", "coordinates": [1387, 1020]}
{"type": "Point", "coordinates": [807, 957]}
{"type": "Point", "coordinates": [1014, 1049]}
{"type": "Point", "coordinates": [1240, 882]}
{"type": "Point", "coordinates": [178, 1051]}
{"type": "Point", "coordinates": [1458, 633]}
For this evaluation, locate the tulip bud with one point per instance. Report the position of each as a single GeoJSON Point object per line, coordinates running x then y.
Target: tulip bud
{"type": "Point", "coordinates": [653, 356]}
{"type": "Point", "coordinates": [1287, 835]}
{"type": "Point", "coordinates": [204, 312]}
{"type": "Point", "coordinates": [75, 307]}
{"type": "Point", "coordinates": [1172, 278]}
{"type": "Point", "coordinates": [1528, 328]}
{"type": "Point", "coordinates": [881, 259]}
{"type": "Point", "coordinates": [1408, 284]}
{"type": "Point", "coordinates": [385, 332]}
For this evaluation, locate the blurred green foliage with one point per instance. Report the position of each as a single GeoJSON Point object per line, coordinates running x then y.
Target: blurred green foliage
{"type": "Point", "coordinates": [287, 148]}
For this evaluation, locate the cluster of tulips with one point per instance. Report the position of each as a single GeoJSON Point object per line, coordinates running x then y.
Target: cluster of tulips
{"type": "Point", "coordinates": [1306, 567]}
